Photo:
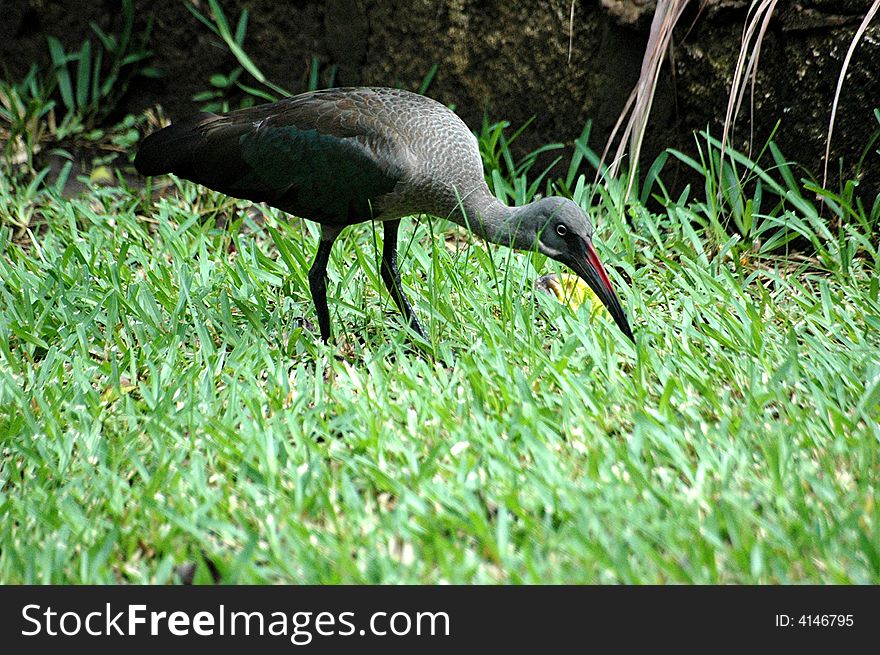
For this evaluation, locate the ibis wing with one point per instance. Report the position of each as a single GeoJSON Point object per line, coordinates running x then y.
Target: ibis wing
{"type": "Point", "coordinates": [325, 156]}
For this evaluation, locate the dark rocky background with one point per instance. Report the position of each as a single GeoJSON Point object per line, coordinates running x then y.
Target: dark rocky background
{"type": "Point", "coordinates": [511, 59]}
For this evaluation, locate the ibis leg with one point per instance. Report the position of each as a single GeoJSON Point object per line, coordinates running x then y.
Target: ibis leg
{"type": "Point", "coordinates": [391, 276]}
{"type": "Point", "coordinates": [318, 279]}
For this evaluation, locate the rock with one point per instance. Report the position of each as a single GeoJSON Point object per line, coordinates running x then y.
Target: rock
{"type": "Point", "coordinates": [512, 60]}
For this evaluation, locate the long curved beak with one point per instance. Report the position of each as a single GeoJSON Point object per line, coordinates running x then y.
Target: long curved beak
{"type": "Point", "coordinates": [590, 269]}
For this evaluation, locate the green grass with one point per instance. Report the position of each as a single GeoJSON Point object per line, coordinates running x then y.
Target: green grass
{"type": "Point", "coordinates": [159, 404]}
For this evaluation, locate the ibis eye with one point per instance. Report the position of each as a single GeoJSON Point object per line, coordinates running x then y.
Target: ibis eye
{"type": "Point", "coordinates": [561, 230]}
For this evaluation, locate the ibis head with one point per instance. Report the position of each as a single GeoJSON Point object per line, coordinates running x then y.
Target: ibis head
{"type": "Point", "coordinates": [561, 230]}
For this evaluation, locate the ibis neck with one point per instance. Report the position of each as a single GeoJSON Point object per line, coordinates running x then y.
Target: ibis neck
{"type": "Point", "coordinates": [489, 218]}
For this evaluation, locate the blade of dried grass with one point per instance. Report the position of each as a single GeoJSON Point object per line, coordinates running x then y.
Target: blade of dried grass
{"type": "Point", "coordinates": [852, 46]}
{"type": "Point", "coordinates": [760, 12]}
{"type": "Point", "coordinates": [753, 73]}
{"type": "Point", "coordinates": [666, 16]}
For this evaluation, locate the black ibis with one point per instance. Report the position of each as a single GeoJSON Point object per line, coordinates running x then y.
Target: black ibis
{"type": "Point", "coordinates": [348, 155]}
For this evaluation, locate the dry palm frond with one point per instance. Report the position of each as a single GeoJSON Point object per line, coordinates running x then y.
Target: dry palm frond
{"type": "Point", "coordinates": [745, 72]}
{"type": "Point", "coordinates": [852, 46]}
{"type": "Point", "coordinates": [640, 100]}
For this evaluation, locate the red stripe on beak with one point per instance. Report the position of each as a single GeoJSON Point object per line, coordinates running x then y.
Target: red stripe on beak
{"type": "Point", "coordinates": [593, 259]}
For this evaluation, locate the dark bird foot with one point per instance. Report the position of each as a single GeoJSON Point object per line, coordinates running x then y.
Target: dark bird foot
{"type": "Point", "coordinates": [420, 346]}
{"type": "Point", "coordinates": [300, 334]}
{"type": "Point", "coordinates": [305, 325]}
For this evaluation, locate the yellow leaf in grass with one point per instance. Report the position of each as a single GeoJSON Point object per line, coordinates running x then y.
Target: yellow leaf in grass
{"type": "Point", "coordinates": [570, 290]}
